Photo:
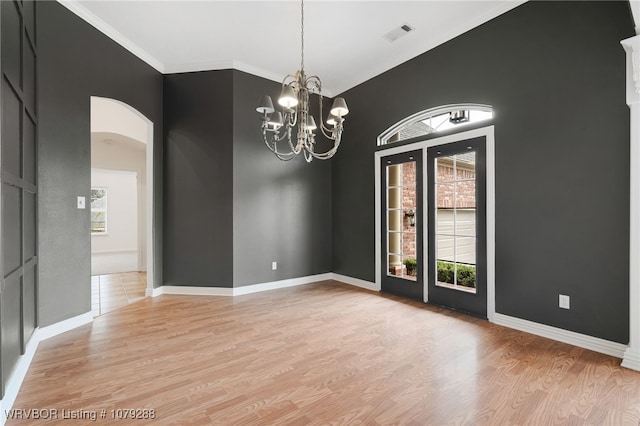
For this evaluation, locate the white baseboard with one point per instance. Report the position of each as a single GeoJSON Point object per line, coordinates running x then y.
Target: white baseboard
{"type": "Point", "coordinates": [254, 288]}
{"type": "Point", "coordinates": [193, 291]}
{"type": "Point", "coordinates": [355, 282]}
{"type": "Point", "coordinates": [631, 359]}
{"type": "Point", "coordinates": [576, 339]}
{"type": "Point", "coordinates": [238, 291]}
{"type": "Point", "coordinates": [63, 326]}
{"type": "Point", "coordinates": [17, 376]}
{"type": "Point", "coordinates": [153, 292]}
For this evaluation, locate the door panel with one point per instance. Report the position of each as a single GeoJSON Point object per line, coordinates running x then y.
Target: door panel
{"type": "Point", "coordinates": [456, 176]}
{"type": "Point", "coordinates": [402, 257]}
{"type": "Point", "coordinates": [18, 182]}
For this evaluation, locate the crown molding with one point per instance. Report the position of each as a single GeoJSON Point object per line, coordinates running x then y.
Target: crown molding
{"type": "Point", "coordinates": [632, 47]}
{"type": "Point", "coordinates": [82, 12]}
{"type": "Point", "coordinates": [635, 12]}
{"type": "Point", "coordinates": [197, 66]}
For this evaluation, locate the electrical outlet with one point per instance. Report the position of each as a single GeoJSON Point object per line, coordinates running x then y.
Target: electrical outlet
{"type": "Point", "coordinates": [564, 301]}
{"type": "Point", "coordinates": [274, 266]}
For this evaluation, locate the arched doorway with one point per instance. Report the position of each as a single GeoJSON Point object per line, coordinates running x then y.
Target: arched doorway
{"type": "Point", "coordinates": [122, 221]}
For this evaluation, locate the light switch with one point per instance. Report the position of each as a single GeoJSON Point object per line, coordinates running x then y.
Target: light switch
{"type": "Point", "coordinates": [564, 301]}
{"type": "Point", "coordinates": [81, 202]}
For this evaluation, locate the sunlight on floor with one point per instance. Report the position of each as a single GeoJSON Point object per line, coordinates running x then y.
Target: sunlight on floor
{"type": "Point", "coordinates": [113, 291]}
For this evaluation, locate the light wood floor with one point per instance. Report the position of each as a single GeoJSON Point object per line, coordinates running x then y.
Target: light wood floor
{"type": "Point", "coordinates": [323, 353]}
{"type": "Point", "coordinates": [113, 291]}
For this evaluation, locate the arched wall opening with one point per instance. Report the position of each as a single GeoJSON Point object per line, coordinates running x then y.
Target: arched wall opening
{"type": "Point", "coordinates": [119, 128]}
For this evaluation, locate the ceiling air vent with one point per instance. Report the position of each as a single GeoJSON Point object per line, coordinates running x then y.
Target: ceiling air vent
{"type": "Point", "coordinates": [396, 33]}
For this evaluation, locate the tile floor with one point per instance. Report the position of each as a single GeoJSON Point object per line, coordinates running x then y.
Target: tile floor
{"type": "Point", "coordinates": [113, 291]}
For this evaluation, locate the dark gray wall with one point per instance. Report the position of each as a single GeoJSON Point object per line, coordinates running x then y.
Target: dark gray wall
{"type": "Point", "coordinates": [555, 74]}
{"type": "Point", "coordinates": [198, 117]}
{"type": "Point", "coordinates": [19, 261]}
{"type": "Point", "coordinates": [281, 210]}
{"type": "Point", "coordinates": [76, 62]}
{"type": "Point", "coordinates": [232, 207]}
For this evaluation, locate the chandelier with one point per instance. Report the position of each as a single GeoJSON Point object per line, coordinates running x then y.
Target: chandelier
{"type": "Point", "coordinates": [278, 126]}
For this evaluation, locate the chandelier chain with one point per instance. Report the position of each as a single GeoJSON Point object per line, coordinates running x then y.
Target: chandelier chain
{"type": "Point", "coordinates": [302, 36]}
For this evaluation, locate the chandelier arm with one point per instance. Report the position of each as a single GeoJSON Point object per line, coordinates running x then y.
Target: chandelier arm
{"type": "Point", "coordinates": [313, 82]}
{"type": "Point", "coordinates": [274, 148]}
{"type": "Point", "coordinates": [292, 118]}
{"type": "Point", "coordinates": [271, 148]}
{"type": "Point", "coordinates": [331, 132]}
{"type": "Point", "coordinates": [326, 155]}
{"type": "Point", "coordinates": [331, 152]}
{"type": "Point", "coordinates": [277, 137]}
{"type": "Point", "coordinates": [292, 79]}
{"type": "Point", "coordinates": [327, 132]}
{"type": "Point", "coordinates": [308, 156]}
{"type": "Point", "coordinates": [282, 157]}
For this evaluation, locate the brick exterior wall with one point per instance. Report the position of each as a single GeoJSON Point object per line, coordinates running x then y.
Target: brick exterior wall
{"type": "Point", "coordinates": [408, 204]}
{"type": "Point", "coordinates": [466, 196]}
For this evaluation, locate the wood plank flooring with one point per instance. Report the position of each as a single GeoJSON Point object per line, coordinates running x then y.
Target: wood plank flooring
{"type": "Point", "coordinates": [324, 353]}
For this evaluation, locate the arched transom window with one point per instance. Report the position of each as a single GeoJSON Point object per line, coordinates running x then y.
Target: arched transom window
{"type": "Point", "coordinates": [435, 120]}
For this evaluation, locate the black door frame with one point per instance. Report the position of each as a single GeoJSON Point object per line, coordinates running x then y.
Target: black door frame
{"type": "Point", "coordinates": [471, 303]}
{"type": "Point", "coordinates": [427, 142]}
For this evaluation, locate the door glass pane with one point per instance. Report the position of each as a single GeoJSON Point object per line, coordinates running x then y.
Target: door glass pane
{"type": "Point", "coordinates": [465, 194]}
{"type": "Point", "coordinates": [394, 220]}
{"type": "Point", "coordinates": [444, 221]}
{"type": "Point", "coordinates": [444, 169]}
{"type": "Point", "coordinates": [395, 242]}
{"type": "Point", "coordinates": [466, 166]}
{"type": "Point", "coordinates": [445, 248]}
{"type": "Point", "coordinates": [401, 220]}
{"type": "Point", "coordinates": [465, 211]}
{"type": "Point", "coordinates": [455, 210]}
{"type": "Point", "coordinates": [465, 250]}
{"type": "Point", "coordinates": [394, 198]}
{"type": "Point", "coordinates": [465, 220]}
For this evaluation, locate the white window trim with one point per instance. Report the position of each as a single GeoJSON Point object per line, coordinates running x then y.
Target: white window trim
{"type": "Point", "coordinates": [384, 137]}
{"type": "Point", "coordinates": [632, 48]}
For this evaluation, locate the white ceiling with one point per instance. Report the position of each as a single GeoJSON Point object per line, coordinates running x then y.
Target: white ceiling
{"type": "Point", "coordinates": [344, 42]}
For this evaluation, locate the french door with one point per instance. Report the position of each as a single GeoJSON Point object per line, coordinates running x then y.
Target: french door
{"type": "Point", "coordinates": [457, 265]}
{"type": "Point", "coordinates": [401, 221]}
